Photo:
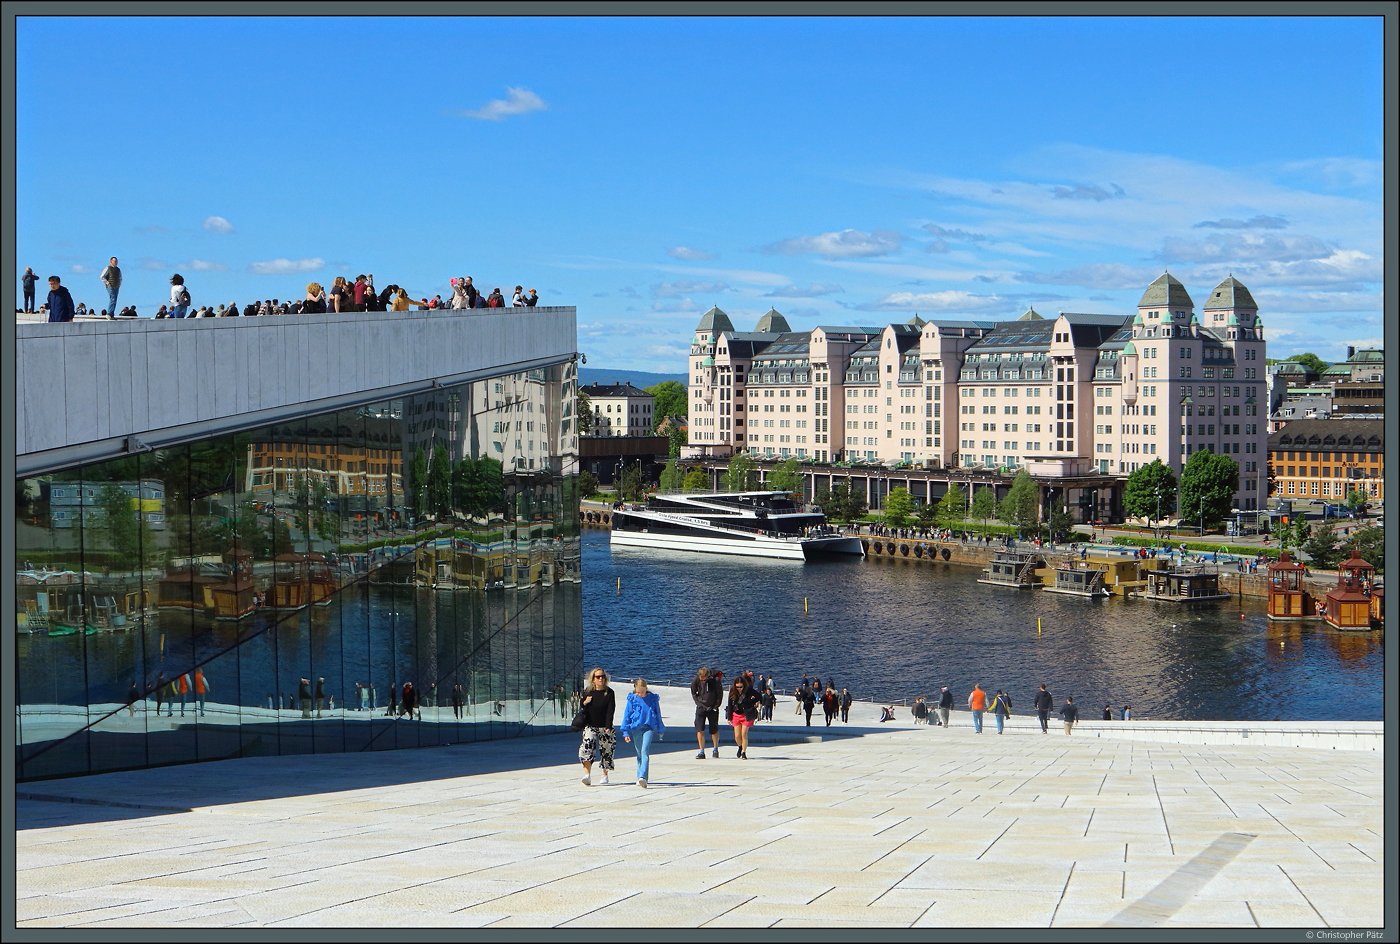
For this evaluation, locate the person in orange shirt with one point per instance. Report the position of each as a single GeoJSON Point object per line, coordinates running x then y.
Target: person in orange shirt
{"type": "Point", "coordinates": [201, 688]}
{"type": "Point", "coordinates": [977, 701]}
{"type": "Point", "coordinates": [182, 685]}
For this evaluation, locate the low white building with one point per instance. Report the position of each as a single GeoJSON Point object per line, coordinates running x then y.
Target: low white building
{"type": "Point", "coordinates": [619, 409]}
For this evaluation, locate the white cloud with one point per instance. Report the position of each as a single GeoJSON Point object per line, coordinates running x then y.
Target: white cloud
{"type": "Point", "coordinates": [217, 224]}
{"type": "Point", "coordinates": [683, 304]}
{"type": "Point", "coordinates": [687, 287]}
{"type": "Point", "coordinates": [1244, 247]}
{"type": "Point", "coordinates": [1087, 192]}
{"type": "Point", "coordinates": [203, 265]}
{"type": "Point", "coordinates": [689, 254]}
{"type": "Point", "coordinates": [282, 266]}
{"type": "Point", "coordinates": [1104, 275]}
{"type": "Point", "coordinates": [815, 290]}
{"type": "Point", "coordinates": [77, 269]}
{"type": "Point", "coordinates": [1304, 302]}
{"type": "Point", "coordinates": [518, 101]}
{"type": "Point", "coordinates": [1008, 306]}
{"type": "Point", "coordinates": [846, 244]}
{"type": "Point", "coordinates": [1259, 221]}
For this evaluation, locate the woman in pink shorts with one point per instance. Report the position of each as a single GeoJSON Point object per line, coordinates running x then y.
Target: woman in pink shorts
{"type": "Point", "coordinates": [742, 710]}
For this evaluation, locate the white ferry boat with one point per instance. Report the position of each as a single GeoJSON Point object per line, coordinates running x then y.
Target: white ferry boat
{"type": "Point", "coordinates": [757, 524]}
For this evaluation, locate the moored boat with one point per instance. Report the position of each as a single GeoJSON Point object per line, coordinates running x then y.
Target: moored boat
{"type": "Point", "coordinates": [755, 524]}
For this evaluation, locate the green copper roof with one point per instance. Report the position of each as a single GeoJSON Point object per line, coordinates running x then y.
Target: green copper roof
{"type": "Point", "coordinates": [1166, 292]}
{"type": "Point", "coordinates": [708, 362]}
{"type": "Point", "coordinates": [771, 322]}
{"type": "Point", "coordinates": [1230, 294]}
{"type": "Point", "coordinates": [1129, 350]}
{"type": "Point", "coordinates": [1031, 315]}
{"type": "Point", "coordinates": [1137, 320]}
{"type": "Point", "coordinates": [714, 320]}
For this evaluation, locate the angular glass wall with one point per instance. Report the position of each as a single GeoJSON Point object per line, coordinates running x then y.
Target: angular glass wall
{"type": "Point", "coordinates": [399, 575]}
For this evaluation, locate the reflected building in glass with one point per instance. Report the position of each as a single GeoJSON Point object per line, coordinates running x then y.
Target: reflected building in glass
{"type": "Point", "coordinates": [259, 556]}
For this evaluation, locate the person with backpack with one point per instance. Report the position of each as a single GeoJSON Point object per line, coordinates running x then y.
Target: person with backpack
{"type": "Point", "coordinates": [1001, 708]}
{"type": "Point", "coordinates": [179, 296]}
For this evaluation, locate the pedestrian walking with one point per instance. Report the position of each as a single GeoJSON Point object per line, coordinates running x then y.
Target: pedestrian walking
{"type": "Point", "coordinates": [303, 696]}
{"type": "Point", "coordinates": [1001, 708]}
{"type": "Point", "coordinates": [977, 701]}
{"type": "Point", "coordinates": [1044, 701]}
{"type": "Point", "coordinates": [742, 708]}
{"type": "Point", "coordinates": [1108, 712]}
{"type": "Point", "coordinates": [408, 701]}
{"type": "Point", "coordinates": [1127, 713]}
{"type": "Point", "coordinates": [133, 695]}
{"type": "Point", "coordinates": [1069, 714]}
{"type": "Point", "coordinates": [320, 695]}
{"type": "Point", "coordinates": [179, 296]}
{"type": "Point", "coordinates": [845, 705]}
{"type": "Point", "coordinates": [642, 716]}
{"type": "Point", "coordinates": [831, 704]}
{"type": "Point", "coordinates": [945, 705]}
{"type": "Point", "coordinates": [599, 704]}
{"type": "Point", "coordinates": [160, 691]}
{"type": "Point", "coordinates": [808, 700]}
{"type": "Point", "coordinates": [919, 711]}
{"type": "Point", "coordinates": [706, 693]}
{"type": "Point", "coordinates": [457, 701]}
{"type": "Point", "coordinates": [201, 690]}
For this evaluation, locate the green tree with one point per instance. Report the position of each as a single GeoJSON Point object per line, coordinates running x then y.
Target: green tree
{"type": "Point", "coordinates": [478, 486]}
{"type": "Point", "coordinates": [1021, 506]}
{"type": "Point", "coordinates": [843, 503]}
{"type": "Point", "coordinates": [787, 477]}
{"type": "Point", "coordinates": [587, 484]}
{"type": "Point", "coordinates": [669, 398]}
{"type": "Point", "coordinates": [1208, 485]}
{"type": "Point", "coordinates": [696, 480]}
{"type": "Point", "coordinates": [898, 504]}
{"type": "Point", "coordinates": [984, 504]}
{"type": "Point", "coordinates": [927, 513]}
{"type": "Point", "coordinates": [671, 476]}
{"type": "Point", "coordinates": [439, 481]}
{"type": "Point", "coordinates": [1059, 520]}
{"type": "Point", "coordinates": [1293, 534]}
{"type": "Point", "coordinates": [583, 409]}
{"type": "Point", "coordinates": [417, 481]}
{"type": "Point", "coordinates": [1311, 361]}
{"type": "Point", "coordinates": [123, 525]}
{"type": "Point", "coordinates": [741, 475]}
{"type": "Point", "coordinates": [634, 483]}
{"type": "Point", "coordinates": [953, 505]}
{"type": "Point", "coordinates": [1322, 548]}
{"type": "Point", "coordinates": [1369, 544]}
{"type": "Point", "coordinates": [1356, 500]}
{"type": "Point", "coordinates": [677, 439]}
{"type": "Point", "coordinates": [1150, 491]}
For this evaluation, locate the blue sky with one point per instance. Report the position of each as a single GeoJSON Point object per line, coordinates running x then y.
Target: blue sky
{"type": "Point", "coordinates": [842, 170]}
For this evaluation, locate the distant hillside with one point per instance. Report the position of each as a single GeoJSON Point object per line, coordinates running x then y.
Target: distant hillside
{"type": "Point", "coordinates": [637, 378]}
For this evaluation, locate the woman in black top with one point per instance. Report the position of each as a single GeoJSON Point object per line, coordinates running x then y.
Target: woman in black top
{"type": "Point", "coordinates": [742, 710]}
{"type": "Point", "coordinates": [599, 704]}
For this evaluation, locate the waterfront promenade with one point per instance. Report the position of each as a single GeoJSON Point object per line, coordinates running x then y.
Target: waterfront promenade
{"type": "Point", "coordinates": [891, 825]}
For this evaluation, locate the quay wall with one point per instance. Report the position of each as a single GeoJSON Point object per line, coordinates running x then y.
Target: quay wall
{"type": "Point", "coordinates": [923, 552]}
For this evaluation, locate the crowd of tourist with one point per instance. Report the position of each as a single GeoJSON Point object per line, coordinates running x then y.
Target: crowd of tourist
{"type": "Point", "coordinates": [345, 294]}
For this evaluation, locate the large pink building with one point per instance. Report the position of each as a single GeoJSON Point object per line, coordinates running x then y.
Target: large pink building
{"type": "Point", "coordinates": [1079, 394]}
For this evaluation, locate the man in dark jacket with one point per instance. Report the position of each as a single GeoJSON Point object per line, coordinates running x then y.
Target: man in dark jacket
{"type": "Point", "coordinates": [845, 704]}
{"type": "Point", "coordinates": [60, 302]}
{"type": "Point", "coordinates": [809, 701]}
{"type": "Point", "coordinates": [705, 691]}
{"type": "Point", "coordinates": [1069, 714]}
{"type": "Point", "coordinates": [1043, 703]}
{"type": "Point", "coordinates": [945, 705]}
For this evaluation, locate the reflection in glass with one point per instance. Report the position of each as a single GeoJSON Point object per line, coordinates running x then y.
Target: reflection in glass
{"type": "Point", "coordinates": [277, 590]}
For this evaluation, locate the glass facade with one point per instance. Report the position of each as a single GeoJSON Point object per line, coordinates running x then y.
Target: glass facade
{"type": "Point", "coordinates": [296, 588]}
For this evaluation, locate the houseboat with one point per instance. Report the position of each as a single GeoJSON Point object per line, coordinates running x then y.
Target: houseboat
{"type": "Point", "coordinates": [189, 585]}
{"type": "Point", "coordinates": [1289, 598]}
{"type": "Point", "coordinates": [754, 524]}
{"type": "Point", "coordinates": [1348, 604]}
{"type": "Point", "coordinates": [236, 597]}
{"type": "Point", "coordinates": [301, 579]}
{"type": "Point", "coordinates": [1184, 583]}
{"type": "Point", "coordinates": [1078, 577]}
{"type": "Point", "coordinates": [1013, 568]}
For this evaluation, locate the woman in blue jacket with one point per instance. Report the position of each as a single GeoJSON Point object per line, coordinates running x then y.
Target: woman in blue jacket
{"type": "Point", "coordinates": [642, 717]}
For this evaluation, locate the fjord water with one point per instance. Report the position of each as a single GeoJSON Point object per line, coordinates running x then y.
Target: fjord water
{"type": "Point", "coordinates": [895, 629]}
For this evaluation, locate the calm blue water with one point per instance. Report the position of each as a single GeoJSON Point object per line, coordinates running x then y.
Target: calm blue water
{"type": "Point", "coordinates": [894, 629]}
